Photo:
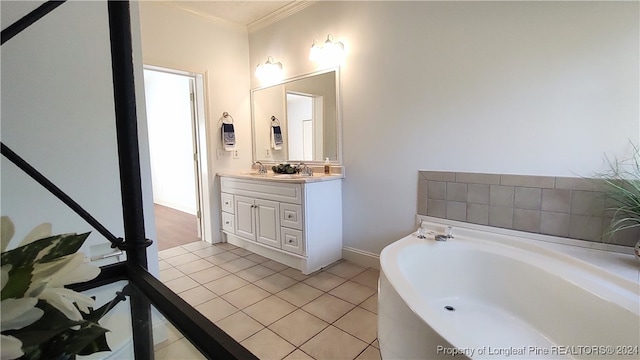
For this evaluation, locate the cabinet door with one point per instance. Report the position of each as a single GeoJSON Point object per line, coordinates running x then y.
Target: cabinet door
{"type": "Point", "coordinates": [245, 217]}
{"type": "Point", "coordinates": [268, 222]}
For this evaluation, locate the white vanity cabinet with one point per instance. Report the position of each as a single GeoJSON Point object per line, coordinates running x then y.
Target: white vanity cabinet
{"type": "Point", "coordinates": [295, 223]}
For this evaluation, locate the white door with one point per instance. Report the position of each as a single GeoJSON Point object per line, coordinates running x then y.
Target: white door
{"type": "Point", "coordinates": [245, 217]}
{"type": "Point", "coordinates": [268, 222]}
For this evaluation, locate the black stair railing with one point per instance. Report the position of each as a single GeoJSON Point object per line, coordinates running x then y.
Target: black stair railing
{"type": "Point", "coordinates": [210, 340]}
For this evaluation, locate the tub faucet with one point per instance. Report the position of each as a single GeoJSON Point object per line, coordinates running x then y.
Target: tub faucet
{"type": "Point", "coordinates": [304, 169]}
{"type": "Point", "coordinates": [261, 168]}
{"type": "Point", "coordinates": [446, 236]}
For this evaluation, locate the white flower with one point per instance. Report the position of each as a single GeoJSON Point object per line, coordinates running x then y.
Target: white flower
{"type": "Point", "coordinates": [49, 280]}
{"type": "Point", "coordinates": [11, 348]}
{"type": "Point", "coordinates": [15, 314]}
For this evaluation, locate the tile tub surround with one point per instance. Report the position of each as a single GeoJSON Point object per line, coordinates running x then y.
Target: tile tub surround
{"type": "Point", "coordinates": [559, 206]}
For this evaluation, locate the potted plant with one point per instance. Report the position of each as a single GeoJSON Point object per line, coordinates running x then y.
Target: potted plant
{"type": "Point", "coordinates": [622, 183]}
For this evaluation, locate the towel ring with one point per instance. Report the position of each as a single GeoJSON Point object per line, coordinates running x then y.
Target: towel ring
{"type": "Point", "coordinates": [225, 116]}
{"type": "Point", "coordinates": [275, 119]}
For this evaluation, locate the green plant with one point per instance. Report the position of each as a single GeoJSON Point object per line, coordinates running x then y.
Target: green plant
{"type": "Point", "coordinates": [41, 319]}
{"type": "Point", "coordinates": [622, 183]}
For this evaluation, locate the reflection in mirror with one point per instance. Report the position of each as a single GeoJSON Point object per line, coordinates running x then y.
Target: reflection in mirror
{"type": "Point", "coordinates": [307, 109]}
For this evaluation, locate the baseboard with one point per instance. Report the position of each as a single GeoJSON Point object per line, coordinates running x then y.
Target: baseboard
{"type": "Point", "coordinates": [362, 258]}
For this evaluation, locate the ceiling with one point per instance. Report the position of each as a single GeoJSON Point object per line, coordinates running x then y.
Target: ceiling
{"type": "Point", "coordinates": [241, 12]}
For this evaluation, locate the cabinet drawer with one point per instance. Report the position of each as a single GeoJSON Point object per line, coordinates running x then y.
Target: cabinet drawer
{"type": "Point", "coordinates": [228, 222]}
{"type": "Point", "coordinates": [292, 240]}
{"type": "Point", "coordinates": [291, 216]}
{"type": "Point", "coordinates": [227, 203]}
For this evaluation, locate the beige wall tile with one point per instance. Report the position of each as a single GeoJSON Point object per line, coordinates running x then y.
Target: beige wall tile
{"type": "Point", "coordinates": [478, 214]}
{"type": "Point", "coordinates": [437, 190]}
{"type": "Point", "coordinates": [478, 178]}
{"type": "Point", "coordinates": [552, 223]}
{"type": "Point", "coordinates": [501, 195]}
{"type": "Point", "coordinates": [501, 216]}
{"type": "Point", "coordinates": [478, 194]}
{"type": "Point", "coordinates": [527, 198]}
{"type": "Point", "coordinates": [437, 208]}
{"type": "Point", "coordinates": [456, 192]}
{"type": "Point", "coordinates": [587, 203]}
{"type": "Point", "coordinates": [457, 210]}
{"type": "Point", "coordinates": [526, 220]}
{"type": "Point", "coordinates": [556, 200]}
{"type": "Point", "coordinates": [528, 181]}
{"type": "Point", "coordinates": [585, 227]}
{"type": "Point", "coordinates": [438, 175]}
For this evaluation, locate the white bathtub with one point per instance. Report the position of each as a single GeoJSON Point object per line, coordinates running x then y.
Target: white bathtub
{"type": "Point", "coordinates": [509, 297]}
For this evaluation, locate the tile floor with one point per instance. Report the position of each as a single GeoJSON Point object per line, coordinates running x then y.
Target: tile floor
{"type": "Point", "coordinates": [273, 310]}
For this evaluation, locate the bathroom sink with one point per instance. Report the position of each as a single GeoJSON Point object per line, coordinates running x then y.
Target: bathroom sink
{"type": "Point", "coordinates": [254, 173]}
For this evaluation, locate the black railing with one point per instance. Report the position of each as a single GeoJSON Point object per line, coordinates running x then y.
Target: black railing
{"type": "Point", "coordinates": [210, 340]}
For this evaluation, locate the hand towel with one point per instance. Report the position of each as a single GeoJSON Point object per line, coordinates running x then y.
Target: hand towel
{"type": "Point", "coordinates": [276, 137]}
{"type": "Point", "coordinates": [228, 137]}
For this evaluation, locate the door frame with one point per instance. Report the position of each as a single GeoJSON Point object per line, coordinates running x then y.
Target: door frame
{"type": "Point", "coordinates": [203, 198]}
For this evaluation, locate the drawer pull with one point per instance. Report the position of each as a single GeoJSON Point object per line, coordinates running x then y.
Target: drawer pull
{"type": "Point", "coordinates": [226, 203]}
{"type": "Point", "coordinates": [227, 223]}
{"type": "Point", "coordinates": [289, 216]}
{"type": "Point", "coordinates": [290, 241]}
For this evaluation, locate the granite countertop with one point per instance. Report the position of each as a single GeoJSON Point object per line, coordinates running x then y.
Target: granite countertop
{"type": "Point", "coordinates": [288, 178]}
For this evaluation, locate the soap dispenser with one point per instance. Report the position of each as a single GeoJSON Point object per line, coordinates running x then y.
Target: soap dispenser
{"type": "Point", "coordinates": [327, 167]}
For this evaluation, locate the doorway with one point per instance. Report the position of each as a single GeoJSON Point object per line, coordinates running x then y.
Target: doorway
{"type": "Point", "coordinates": [176, 154]}
{"type": "Point", "coordinates": [304, 126]}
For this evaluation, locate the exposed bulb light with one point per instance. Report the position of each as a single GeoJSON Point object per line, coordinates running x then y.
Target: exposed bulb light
{"type": "Point", "coordinates": [330, 53]}
{"type": "Point", "coordinates": [270, 71]}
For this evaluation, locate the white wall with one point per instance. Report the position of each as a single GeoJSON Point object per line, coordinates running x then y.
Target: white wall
{"type": "Point", "coordinates": [176, 39]}
{"type": "Point", "coordinates": [541, 88]}
{"type": "Point", "coordinates": [170, 126]}
{"type": "Point", "coordinates": [58, 114]}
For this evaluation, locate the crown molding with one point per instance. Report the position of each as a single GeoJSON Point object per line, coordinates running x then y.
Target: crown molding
{"type": "Point", "coordinates": [209, 17]}
{"type": "Point", "coordinates": [280, 14]}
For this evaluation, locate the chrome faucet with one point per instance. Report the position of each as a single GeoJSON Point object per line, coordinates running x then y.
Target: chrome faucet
{"type": "Point", "coordinates": [304, 169]}
{"type": "Point", "coordinates": [261, 168]}
{"type": "Point", "coordinates": [446, 236]}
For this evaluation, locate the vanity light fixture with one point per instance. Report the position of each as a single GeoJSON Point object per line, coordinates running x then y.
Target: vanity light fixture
{"type": "Point", "coordinates": [270, 71]}
{"type": "Point", "coordinates": [331, 53]}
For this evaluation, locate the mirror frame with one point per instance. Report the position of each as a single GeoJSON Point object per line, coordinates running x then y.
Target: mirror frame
{"type": "Point", "coordinates": [338, 161]}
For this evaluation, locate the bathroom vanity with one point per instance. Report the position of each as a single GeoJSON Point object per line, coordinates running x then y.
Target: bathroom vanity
{"type": "Point", "coordinates": [295, 220]}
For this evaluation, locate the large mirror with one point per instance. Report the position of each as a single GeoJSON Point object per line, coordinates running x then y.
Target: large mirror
{"type": "Point", "coordinates": [297, 120]}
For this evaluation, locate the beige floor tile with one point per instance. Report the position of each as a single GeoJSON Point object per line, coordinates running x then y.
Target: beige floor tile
{"type": "Point", "coordinates": [168, 331]}
{"type": "Point", "coordinates": [255, 273]}
{"type": "Point", "coordinates": [360, 323]}
{"type": "Point", "coordinates": [239, 326]}
{"type": "Point", "coordinates": [207, 275]}
{"type": "Point", "coordinates": [274, 265]}
{"type": "Point", "coordinates": [376, 344]}
{"type": "Point", "coordinates": [182, 259]}
{"type": "Point", "coordinates": [275, 282]}
{"type": "Point", "coordinates": [267, 345]}
{"type": "Point", "coordinates": [181, 349]}
{"type": "Point", "coordinates": [298, 355]}
{"type": "Point", "coordinates": [194, 266]}
{"type": "Point", "coordinates": [257, 258]}
{"type": "Point", "coordinates": [270, 309]}
{"type": "Point", "coordinates": [371, 303]}
{"type": "Point", "coordinates": [241, 252]}
{"type": "Point", "coordinates": [245, 296]}
{"type": "Point", "coordinates": [169, 253]}
{"type": "Point", "coordinates": [208, 251]}
{"type": "Point", "coordinates": [225, 246]}
{"type": "Point", "coordinates": [196, 245]}
{"type": "Point", "coordinates": [345, 269]}
{"type": "Point", "coordinates": [352, 292]}
{"type": "Point", "coordinates": [324, 281]}
{"type": "Point", "coordinates": [328, 308]}
{"type": "Point", "coordinates": [236, 265]}
{"type": "Point", "coordinates": [299, 294]}
{"type": "Point", "coordinates": [170, 274]}
{"type": "Point", "coordinates": [181, 284]}
{"type": "Point", "coordinates": [298, 327]}
{"type": "Point", "coordinates": [226, 284]}
{"type": "Point", "coordinates": [368, 278]}
{"type": "Point", "coordinates": [370, 353]}
{"type": "Point", "coordinates": [197, 295]}
{"type": "Point", "coordinates": [342, 345]}
{"type": "Point", "coordinates": [216, 309]}
{"type": "Point", "coordinates": [163, 265]}
{"type": "Point", "coordinates": [294, 274]}
{"type": "Point", "coordinates": [222, 258]}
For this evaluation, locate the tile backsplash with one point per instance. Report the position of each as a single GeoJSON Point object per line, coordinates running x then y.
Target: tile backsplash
{"type": "Point", "coordinates": [559, 206]}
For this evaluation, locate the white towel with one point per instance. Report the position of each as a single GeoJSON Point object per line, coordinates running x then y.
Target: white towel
{"type": "Point", "coordinates": [228, 137]}
{"type": "Point", "coordinates": [276, 137]}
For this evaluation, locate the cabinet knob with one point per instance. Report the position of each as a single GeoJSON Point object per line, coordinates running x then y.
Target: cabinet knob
{"type": "Point", "coordinates": [290, 241]}
{"type": "Point", "coordinates": [226, 203]}
{"type": "Point", "coordinates": [227, 223]}
{"type": "Point", "coordinates": [289, 216]}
